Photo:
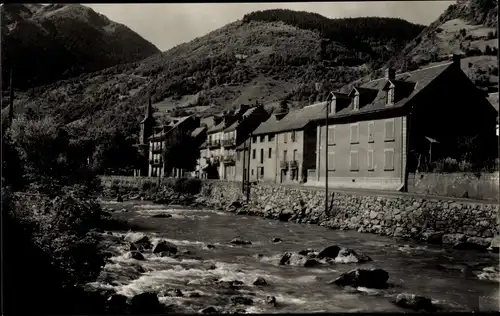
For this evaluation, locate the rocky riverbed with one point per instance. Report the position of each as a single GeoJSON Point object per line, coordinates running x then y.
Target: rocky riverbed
{"type": "Point", "coordinates": [198, 260]}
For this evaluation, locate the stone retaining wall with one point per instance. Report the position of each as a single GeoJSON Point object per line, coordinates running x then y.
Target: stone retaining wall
{"type": "Point", "coordinates": [462, 224]}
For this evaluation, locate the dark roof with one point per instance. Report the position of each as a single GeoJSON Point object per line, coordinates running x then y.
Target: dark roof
{"type": "Point", "coordinates": [198, 131]}
{"type": "Point", "coordinates": [245, 115]}
{"type": "Point", "coordinates": [172, 125]}
{"type": "Point", "coordinates": [294, 120]}
{"type": "Point", "coordinates": [409, 83]}
{"type": "Point", "coordinates": [493, 98]}
{"type": "Point", "coordinates": [217, 128]}
{"type": "Point", "coordinates": [241, 146]}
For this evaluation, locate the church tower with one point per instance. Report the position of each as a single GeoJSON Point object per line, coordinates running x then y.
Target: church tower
{"type": "Point", "coordinates": [147, 123]}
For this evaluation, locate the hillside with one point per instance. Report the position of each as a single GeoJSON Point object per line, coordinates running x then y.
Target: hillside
{"type": "Point", "coordinates": [44, 44]}
{"type": "Point", "coordinates": [467, 28]}
{"type": "Point", "coordinates": [265, 57]}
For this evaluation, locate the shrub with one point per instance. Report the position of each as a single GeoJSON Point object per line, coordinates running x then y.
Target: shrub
{"type": "Point", "coordinates": [186, 185]}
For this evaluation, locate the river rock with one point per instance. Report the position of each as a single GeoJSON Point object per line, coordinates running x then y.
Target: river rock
{"type": "Point", "coordinates": [174, 293]}
{"type": "Point", "coordinates": [371, 278]}
{"type": "Point", "coordinates": [241, 300]}
{"type": "Point", "coordinates": [453, 239]}
{"type": "Point", "coordinates": [329, 252]}
{"type": "Point", "coordinates": [276, 240]}
{"type": "Point", "coordinates": [415, 302]}
{"type": "Point", "coordinates": [495, 244]}
{"type": "Point", "coordinates": [294, 259]}
{"type": "Point", "coordinates": [163, 246]}
{"type": "Point", "coordinates": [119, 199]}
{"type": "Point", "coordinates": [237, 241]}
{"type": "Point", "coordinates": [140, 240]}
{"type": "Point", "coordinates": [271, 300]}
{"type": "Point", "coordinates": [490, 274]}
{"type": "Point", "coordinates": [145, 303]}
{"type": "Point", "coordinates": [162, 215]}
{"type": "Point", "coordinates": [474, 243]}
{"type": "Point", "coordinates": [346, 255]}
{"type": "Point", "coordinates": [306, 252]}
{"type": "Point", "coordinates": [194, 294]}
{"type": "Point", "coordinates": [432, 237]}
{"type": "Point", "coordinates": [260, 281]}
{"type": "Point", "coordinates": [208, 310]}
{"type": "Point", "coordinates": [135, 255]}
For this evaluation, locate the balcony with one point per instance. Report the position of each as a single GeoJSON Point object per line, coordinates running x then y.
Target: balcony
{"type": "Point", "coordinates": [229, 160]}
{"type": "Point", "coordinates": [229, 142]}
{"type": "Point", "coordinates": [293, 164]}
{"type": "Point", "coordinates": [215, 160]}
{"type": "Point", "coordinates": [213, 143]}
{"type": "Point", "coordinates": [155, 161]}
{"type": "Point", "coordinates": [157, 149]}
{"type": "Point", "coordinates": [283, 165]}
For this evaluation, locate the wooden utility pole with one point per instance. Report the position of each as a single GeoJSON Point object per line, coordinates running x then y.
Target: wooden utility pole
{"type": "Point", "coordinates": [248, 168]}
{"type": "Point", "coordinates": [243, 179]}
{"type": "Point", "coordinates": [327, 108]}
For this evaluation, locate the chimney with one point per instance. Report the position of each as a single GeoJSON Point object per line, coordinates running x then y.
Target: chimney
{"type": "Point", "coordinates": [390, 74]}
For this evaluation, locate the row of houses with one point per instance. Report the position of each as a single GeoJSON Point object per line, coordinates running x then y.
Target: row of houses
{"type": "Point", "coordinates": [377, 133]}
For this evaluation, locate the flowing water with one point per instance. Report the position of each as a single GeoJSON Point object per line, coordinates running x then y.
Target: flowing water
{"type": "Point", "coordinates": [426, 270]}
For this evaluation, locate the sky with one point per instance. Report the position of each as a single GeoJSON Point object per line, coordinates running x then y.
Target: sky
{"type": "Point", "coordinates": [169, 24]}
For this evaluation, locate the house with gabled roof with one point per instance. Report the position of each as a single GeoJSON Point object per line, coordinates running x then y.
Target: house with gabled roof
{"type": "Point", "coordinates": [382, 132]}
{"type": "Point", "coordinates": [281, 149]}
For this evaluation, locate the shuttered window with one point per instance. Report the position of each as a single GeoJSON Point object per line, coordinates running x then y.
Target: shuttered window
{"type": "Point", "coordinates": [371, 127]}
{"type": "Point", "coordinates": [285, 137]}
{"type": "Point", "coordinates": [331, 135]}
{"type": "Point", "coordinates": [354, 163]}
{"type": "Point", "coordinates": [270, 152]}
{"type": "Point", "coordinates": [370, 160]}
{"type": "Point", "coordinates": [389, 130]}
{"type": "Point", "coordinates": [331, 161]}
{"type": "Point", "coordinates": [354, 133]}
{"type": "Point", "coordinates": [389, 159]}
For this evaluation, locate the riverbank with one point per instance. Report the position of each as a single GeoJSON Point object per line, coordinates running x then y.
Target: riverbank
{"type": "Point", "coordinates": [459, 223]}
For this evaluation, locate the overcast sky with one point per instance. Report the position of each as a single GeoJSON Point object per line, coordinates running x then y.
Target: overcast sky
{"type": "Point", "coordinates": [167, 25]}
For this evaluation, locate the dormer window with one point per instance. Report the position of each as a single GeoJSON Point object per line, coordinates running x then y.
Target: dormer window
{"type": "Point", "coordinates": [355, 105]}
{"type": "Point", "coordinates": [389, 100]}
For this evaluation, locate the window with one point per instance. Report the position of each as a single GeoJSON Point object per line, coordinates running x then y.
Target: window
{"type": "Point", "coordinates": [262, 138]}
{"type": "Point", "coordinates": [284, 155]}
{"type": "Point", "coordinates": [270, 152]}
{"type": "Point", "coordinates": [262, 155]}
{"type": "Point", "coordinates": [285, 137]}
{"type": "Point", "coordinates": [389, 96]}
{"type": "Point", "coordinates": [388, 159]}
{"type": "Point", "coordinates": [331, 135]}
{"type": "Point", "coordinates": [261, 171]}
{"type": "Point", "coordinates": [254, 140]}
{"type": "Point", "coordinates": [294, 155]}
{"type": "Point", "coordinates": [371, 167]}
{"type": "Point", "coordinates": [389, 130]}
{"type": "Point", "coordinates": [293, 136]}
{"type": "Point", "coordinates": [354, 165]}
{"type": "Point", "coordinates": [253, 153]}
{"type": "Point", "coordinates": [354, 133]}
{"type": "Point", "coordinates": [331, 161]}
{"type": "Point", "coordinates": [238, 156]}
{"type": "Point", "coordinates": [371, 126]}
{"type": "Point", "coordinates": [252, 172]}
{"type": "Point", "coordinates": [270, 137]}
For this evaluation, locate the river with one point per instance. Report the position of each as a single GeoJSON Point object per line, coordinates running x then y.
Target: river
{"type": "Point", "coordinates": [425, 270]}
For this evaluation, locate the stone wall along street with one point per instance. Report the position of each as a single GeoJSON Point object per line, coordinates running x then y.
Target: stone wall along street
{"type": "Point", "coordinates": [462, 223]}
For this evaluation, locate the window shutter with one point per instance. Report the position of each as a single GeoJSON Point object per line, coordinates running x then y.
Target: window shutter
{"type": "Point", "coordinates": [389, 129]}
{"type": "Point", "coordinates": [331, 135]}
{"type": "Point", "coordinates": [370, 160]}
{"type": "Point", "coordinates": [389, 160]}
{"type": "Point", "coordinates": [354, 161]}
{"type": "Point", "coordinates": [370, 131]}
{"type": "Point", "coordinates": [354, 133]}
{"type": "Point", "coordinates": [331, 161]}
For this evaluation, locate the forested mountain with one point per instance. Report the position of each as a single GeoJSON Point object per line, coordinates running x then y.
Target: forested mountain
{"type": "Point", "coordinates": [47, 43]}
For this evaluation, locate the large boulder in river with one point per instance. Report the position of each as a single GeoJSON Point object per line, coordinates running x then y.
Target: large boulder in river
{"type": "Point", "coordinates": [350, 256]}
{"type": "Point", "coordinates": [139, 240]}
{"type": "Point", "coordinates": [371, 278]}
{"type": "Point", "coordinates": [415, 302]}
{"type": "Point", "coordinates": [295, 259]}
{"type": "Point", "coordinates": [117, 304]}
{"type": "Point", "coordinates": [135, 255]}
{"type": "Point", "coordinates": [163, 246]}
{"type": "Point", "coordinates": [329, 252]}
{"type": "Point", "coordinates": [241, 300]}
{"type": "Point", "coordinates": [453, 239]}
{"type": "Point", "coordinates": [260, 281]}
{"type": "Point", "coordinates": [145, 303]}
{"type": "Point", "coordinates": [208, 310]}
